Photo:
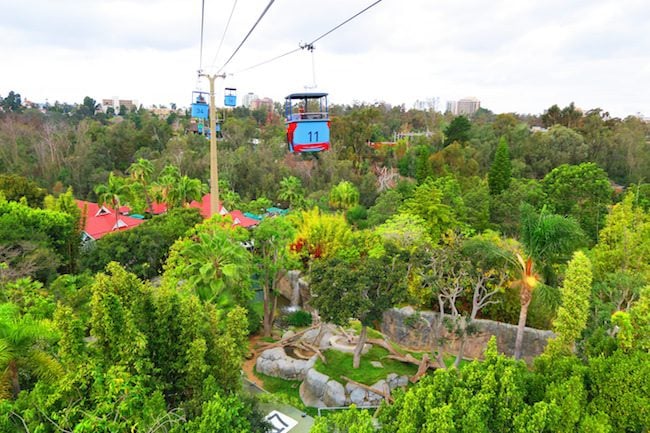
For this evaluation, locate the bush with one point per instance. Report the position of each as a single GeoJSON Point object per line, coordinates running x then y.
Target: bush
{"type": "Point", "coordinates": [299, 318]}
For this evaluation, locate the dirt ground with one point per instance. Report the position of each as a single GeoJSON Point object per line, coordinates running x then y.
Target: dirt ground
{"type": "Point", "coordinates": [249, 364]}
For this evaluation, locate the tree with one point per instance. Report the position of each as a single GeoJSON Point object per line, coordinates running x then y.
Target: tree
{"type": "Point", "coordinates": [360, 288]}
{"type": "Point", "coordinates": [547, 239]}
{"type": "Point", "coordinates": [457, 130]}
{"type": "Point", "coordinates": [141, 173]}
{"type": "Point", "coordinates": [427, 204]}
{"type": "Point", "coordinates": [11, 102]}
{"type": "Point", "coordinates": [291, 191]}
{"type": "Point", "coordinates": [112, 193]}
{"type": "Point", "coordinates": [351, 420]}
{"type": "Point", "coordinates": [344, 195]}
{"type": "Point", "coordinates": [15, 187]}
{"type": "Point", "coordinates": [21, 346]}
{"type": "Point", "coordinates": [500, 170]}
{"type": "Point", "coordinates": [212, 263]}
{"type": "Point", "coordinates": [271, 255]}
{"type": "Point", "coordinates": [581, 191]}
{"type": "Point", "coordinates": [573, 313]}
{"type": "Point", "coordinates": [320, 235]}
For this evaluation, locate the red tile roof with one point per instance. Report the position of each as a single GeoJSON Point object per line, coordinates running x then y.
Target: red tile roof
{"type": "Point", "coordinates": [100, 220]}
{"type": "Point", "coordinates": [204, 206]}
{"type": "Point", "coordinates": [239, 219]}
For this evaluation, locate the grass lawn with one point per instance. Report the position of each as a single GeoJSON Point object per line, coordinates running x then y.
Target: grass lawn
{"type": "Point", "coordinates": [286, 391]}
{"type": "Point", "coordinates": [340, 364]}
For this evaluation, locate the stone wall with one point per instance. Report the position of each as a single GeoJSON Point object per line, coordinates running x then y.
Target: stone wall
{"type": "Point", "coordinates": [411, 328]}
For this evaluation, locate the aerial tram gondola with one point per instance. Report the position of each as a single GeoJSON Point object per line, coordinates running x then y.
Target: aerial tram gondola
{"type": "Point", "coordinates": [200, 109]}
{"type": "Point", "coordinates": [230, 97]}
{"type": "Point", "coordinates": [308, 123]}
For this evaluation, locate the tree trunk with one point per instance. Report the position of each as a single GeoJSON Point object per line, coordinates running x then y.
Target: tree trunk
{"type": "Point", "coordinates": [463, 340]}
{"type": "Point", "coordinates": [356, 360]}
{"type": "Point", "coordinates": [269, 312]}
{"type": "Point", "coordinates": [523, 315]}
{"type": "Point", "coordinates": [13, 375]}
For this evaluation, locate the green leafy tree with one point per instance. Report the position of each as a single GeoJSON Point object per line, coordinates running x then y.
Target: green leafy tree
{"type": "Point", "coordinates": [458, 130]}
{"type": "Point", "coordinates": [23, 343]}
{"type": "Point", "coordinates": [581, 191]}
{"type": "Point", "coordinates": [212, 263]}
{"type": "Point", "coordinates": [427, 204]}
{"type": "Point", "coordinates": [113, 192]}
{"type": "Point", "coordinates": [14, 187]}
{"type": "Point", "coordinates": [144, 249]}
{"type": "Point", "coordinates": [271, 255]}
{"type": "Point", "coordinates": [141, 173]}
{"type": "Point", "coordinates": [500, 170]}
{"type": "Point", "coordinates": [344, 195]}
{"type": "Point", "coordinates": [573, 313]}
{"type": "Point", "coordinates": [351, 420]}
{"type": "Point", "coordinates": [360, 288]}
{"type": "Point", "coordinates": [622, 254]}
{"type": "Point", "coordinates": [11, 102]}
{"type": "Point", "coordinates": [291, 191]}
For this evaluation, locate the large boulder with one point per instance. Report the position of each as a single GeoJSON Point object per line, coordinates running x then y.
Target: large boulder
{"type": "Point", "coordinates": [334, 395]}
{"type": "Point", "coordinates": [275, 362]}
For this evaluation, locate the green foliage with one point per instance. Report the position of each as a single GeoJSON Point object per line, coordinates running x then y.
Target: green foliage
{"type": "Point", "coordinates": [427, 204]}
{"type": "Point", "coordinates": [351, 420]}
{"type": "Point", "coordinates": [458, 130]}
{"type": "Point", "coordinates": [581, 191]}
{"type": "Point", "coordinates": [320, 235]}
{"type": "Point", "coordinates": [34, 242]}
{"type": "Point", "coordinates": [299, 318]}
{"type": "Point", "coordinates": [212, 263]}
{"type": "Point", "coordinates": [227, 414]}
{"type": "Point", "coordinates": [343, 196]}
{"type": "Point", "coordinates": [143, 249]}
{"type": "Point", "coordinates": [574, 311]}
{"type": "Point", "coordinates": [500, 170]}
{"type": "Point", "coordinates": [15, 187]}
{"type": "Point", "coordinates": [361, 288]}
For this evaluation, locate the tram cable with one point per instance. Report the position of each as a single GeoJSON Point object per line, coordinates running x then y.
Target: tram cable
{"type": "Point", "coordinates": [310, 45]}
{"type": "Point", "coordinates": [223, 36]}
{"type": "Point", "coordinates": [202, 21]}
{"type": "Point", "coordinates": [268, 6]}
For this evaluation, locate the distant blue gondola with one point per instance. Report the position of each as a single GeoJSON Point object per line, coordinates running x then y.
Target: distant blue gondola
{"type": "Point", "coordinates": [200, 107]}
{"type": "Point", "coordinates": [308, 123]}
{"type": "Point", "coordinates": [230, 98]}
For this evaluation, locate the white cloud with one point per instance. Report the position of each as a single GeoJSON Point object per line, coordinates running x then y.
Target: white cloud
{"type": "Point", "coordinates": [512, 55]}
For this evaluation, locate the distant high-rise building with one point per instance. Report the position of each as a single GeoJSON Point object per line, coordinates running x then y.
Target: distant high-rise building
{"type": "Point", "coordinates": [248, 99]}
{"type": "Point", "coordinates": [465, 106]}
{"type": "Point", "coordinates": [427, 104]}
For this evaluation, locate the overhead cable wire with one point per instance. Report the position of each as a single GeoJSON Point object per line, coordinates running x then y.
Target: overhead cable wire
{"type": "Point", "coordinates": [310, 45]}
{"type": "Point", "coordinates": [223, 37]}
{"type": "Point", "coordinates": [343, 23]}
{"type": "Point", "coordinates": [202, 21]}
{"type": "Point", "coordinates": [266, 9]}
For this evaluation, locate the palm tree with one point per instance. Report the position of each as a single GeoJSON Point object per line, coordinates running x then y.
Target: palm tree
{"type": "Point", "coordinates": [186, 190]}
{"type": "Point", "coordinates": [141, 172]}
{"type": "Point", "coordinates": [291, 191]}
{"type": "Point", "coordinates": [216, 267]}
{"type": "Point", "coordinates": [547, 239]}
{"type": "Point", "coordinates": [162, 188]}
{"type": "Point", "coordinates": [21, 341]}
{"type": "Point", "coordinates": [112, 192]}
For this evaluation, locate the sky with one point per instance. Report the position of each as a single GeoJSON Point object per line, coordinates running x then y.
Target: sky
{"type": "Point", "coordinates": [513, 55]}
